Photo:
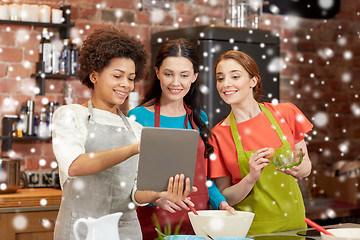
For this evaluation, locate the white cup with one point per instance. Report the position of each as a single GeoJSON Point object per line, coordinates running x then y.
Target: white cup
{"type": "Point", "coordinates": [29, 13]}
{"type": "Point", "coordinates": [14, 11]}
{"type": "Point", "coordinates": [44, 13]}
{"type": "Point", "coordinates": [34, 13]}
{"type": "Point", "coordinates": [4, 12]}
{"type": "Point", "coordinates": [56, 16]}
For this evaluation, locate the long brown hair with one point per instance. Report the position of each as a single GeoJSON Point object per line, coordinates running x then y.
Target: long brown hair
{"type": "Point", "coordinates": [181, 47]}
{"type": "Point", "coordinates": [248, 64]}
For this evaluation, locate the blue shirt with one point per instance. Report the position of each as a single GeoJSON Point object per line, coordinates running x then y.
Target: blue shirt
{"type": "Point", "coordinates": [147, 119]}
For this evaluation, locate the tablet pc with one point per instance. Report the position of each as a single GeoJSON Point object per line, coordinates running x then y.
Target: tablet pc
{"type": "Point", "coordinates": [165, 152]}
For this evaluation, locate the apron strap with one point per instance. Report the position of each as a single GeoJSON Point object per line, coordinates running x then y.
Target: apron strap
{"type": "Point", "coordinates": [91, 112]}
{"type": "Point", "coordinates": [124, 118]}
{"type": "Point", "coordinates": [274, 124]}
{"type": "Point", "coordinates": [157, 114]}
{"type": "Point", "coordinates": [90, 109]}
{"type": "Point", "coordinates": [189, 116]}
{"type": "Point", "coordinates": [235, 132]}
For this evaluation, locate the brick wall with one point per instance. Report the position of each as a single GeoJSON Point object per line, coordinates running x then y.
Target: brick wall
{"type": "Point", "coordinates": [319, 73]}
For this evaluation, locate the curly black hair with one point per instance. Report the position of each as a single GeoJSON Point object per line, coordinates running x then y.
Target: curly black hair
{"type": "Point", "coordinates": [102, 46]}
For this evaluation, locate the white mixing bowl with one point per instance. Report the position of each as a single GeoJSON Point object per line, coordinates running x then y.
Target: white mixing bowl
{"type": "Point", "coordinates": [220, 223]}
{"type": "Point", "coordinates": [342, 234]}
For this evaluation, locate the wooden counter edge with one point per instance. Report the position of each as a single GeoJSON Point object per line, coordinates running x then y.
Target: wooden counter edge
{"type": "Point", "coordinates": [31, 197]}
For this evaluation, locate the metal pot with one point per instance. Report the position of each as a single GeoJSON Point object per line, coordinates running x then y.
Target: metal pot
{"type": "Point", "coordinates": [9, 175]}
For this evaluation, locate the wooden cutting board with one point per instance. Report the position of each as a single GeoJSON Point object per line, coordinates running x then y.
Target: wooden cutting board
{"type": "Point", "coordinates": [31, 197]}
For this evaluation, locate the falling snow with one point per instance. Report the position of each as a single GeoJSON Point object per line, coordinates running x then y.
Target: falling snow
{"type": "Point", "coordinates": [320, 118]}
{"type": "Point", "coordinates": [275, 65]}
{"type": "Point", "coordinates": [20, 222]}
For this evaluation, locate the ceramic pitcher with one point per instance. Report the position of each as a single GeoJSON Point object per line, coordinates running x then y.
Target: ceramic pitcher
{"type": "Point", "coordinates": [102, 228]}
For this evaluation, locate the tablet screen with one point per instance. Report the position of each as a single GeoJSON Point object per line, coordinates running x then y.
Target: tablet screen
{"type": "Point", "coordinates": [165, 152]}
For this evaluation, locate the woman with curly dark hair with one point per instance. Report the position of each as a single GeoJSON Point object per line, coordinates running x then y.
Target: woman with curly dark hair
{"type": "Point", "coordinates": [97, 147]}
{"type": "Point", "coordinates": [173, 102]}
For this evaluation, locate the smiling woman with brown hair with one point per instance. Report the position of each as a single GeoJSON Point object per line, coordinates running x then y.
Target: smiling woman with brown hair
{"type": "Point", "coordinates": [173, 102]}
{"type": "Point", "coordinates": [242, 142]}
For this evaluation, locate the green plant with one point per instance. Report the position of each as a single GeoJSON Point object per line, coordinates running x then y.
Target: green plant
{"type": "Point", "coordinates": [167, 228]}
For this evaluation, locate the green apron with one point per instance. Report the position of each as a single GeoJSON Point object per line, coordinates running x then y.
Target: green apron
{"type": "Point", "coordinates": [275, 198]}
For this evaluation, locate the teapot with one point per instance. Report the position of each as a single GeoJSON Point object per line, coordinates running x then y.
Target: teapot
{"type": "Point", "coordinates": [103, 228]}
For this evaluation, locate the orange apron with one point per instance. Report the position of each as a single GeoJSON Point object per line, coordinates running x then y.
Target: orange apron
{"type": "Point", "coordinates": [199, 198]}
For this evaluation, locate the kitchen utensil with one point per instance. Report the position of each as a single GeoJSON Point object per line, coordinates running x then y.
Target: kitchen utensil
{"type": "Point", "coordinates": [102, 228]}
{"type": "Point", "coordinates": [281, 237]}
{"type": "Point", "coordinates": [342, 234]}
{"type": "Point", "coordinates": [289, 159]}
{"type": "Point", "coordinates": [184, 237]}
{"type": "Point", "coordinates": [9, 174]}
{"type": "Point", "coordinates": [193, 210]}
{"type": "Point", "coordinates": [232, 238]}
{"type": "Point", "coordinates": [160, 232]}
{"type": "Point", "coordinates": [221, 223]}
{"type": "Point", "coordinates": [316, 226]}
{"type": "Point", "coordinates": [207, 235]}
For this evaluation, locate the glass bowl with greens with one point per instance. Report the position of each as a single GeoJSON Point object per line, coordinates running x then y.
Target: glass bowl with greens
{"type": "Point", "coordinates": [289, 159]}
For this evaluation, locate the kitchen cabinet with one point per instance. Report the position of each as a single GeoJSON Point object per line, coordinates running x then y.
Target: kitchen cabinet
{"type": "Point", "coordinates": [29, 214]}
{"type": "Point", "coordinates": [64, 31]}
{"type": "Point", "coordinates": [38, 225]}
{"type": "Point", "coordinates": [212, 41]}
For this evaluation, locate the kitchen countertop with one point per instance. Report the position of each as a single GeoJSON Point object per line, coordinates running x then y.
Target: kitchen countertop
{"type": "Point", "coordinates": [31, 199]}
{"type": "Point", "coordinates": [323, 208]}
{"type": "Point", "coordinates": [292, 235]}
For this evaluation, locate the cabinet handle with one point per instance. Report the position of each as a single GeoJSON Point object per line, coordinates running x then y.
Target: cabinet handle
{"type": "Point", "coordinates": [46, 223]}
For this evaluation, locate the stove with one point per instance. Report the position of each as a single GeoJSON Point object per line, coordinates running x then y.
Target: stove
{"type": "Point", "coordinates": [43, 178]}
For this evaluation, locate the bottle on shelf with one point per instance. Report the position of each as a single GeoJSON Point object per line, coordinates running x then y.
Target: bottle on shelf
{"type": "Point", "coordinates": [30, 113]}
{"type": "Point", "coordinates": [14, 132]}
{"type": "Point", "coordinates": [68, 94]}
{"type": "Point", "coordinates": [55, 62]}
{"type": "Point", "coordinates": [52, 107]}
{"type": "Point", "coordinates": [74, 54]}
{"type": "Point", "coordinates": [43, 128]}
{"type": "Point", "coordinates": [23, 120]}
{"type": "Point", "coordinates": [36, 124]}
{"type": "Point", "coordinates": [66, 55]}
{"type": "Point", "coordinates": [45, 51]}
{"type": "Point", "coordinates": [62, 65]}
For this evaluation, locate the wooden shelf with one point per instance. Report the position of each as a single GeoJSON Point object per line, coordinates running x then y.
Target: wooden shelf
{"type": "Point", "coordinates": [53, 76]}
{"type": "Point", "coordinates": [25, 138]}
{"type": "Point", "coordinates": [40, 79]}
{"type": "Point", "coordinates": [40, 24]}
{"type": "Point", "coordinates": [64, 28]}
{"type": "Point", "coordinates": [8, 140]}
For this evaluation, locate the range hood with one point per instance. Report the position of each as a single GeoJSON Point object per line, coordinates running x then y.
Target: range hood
{"type": "Point", "coordinates": [320, 9]}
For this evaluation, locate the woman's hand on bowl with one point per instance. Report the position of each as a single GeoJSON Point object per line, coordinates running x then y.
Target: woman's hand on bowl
{"type": "Point", "coordinates": [225, 206]}
{"type": "Point", "coordinates": [290, 171]}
